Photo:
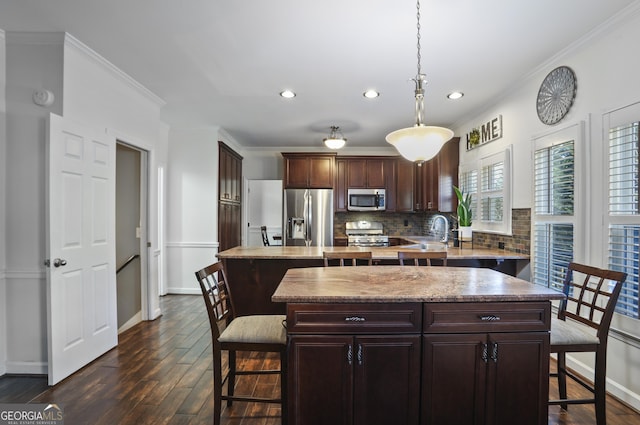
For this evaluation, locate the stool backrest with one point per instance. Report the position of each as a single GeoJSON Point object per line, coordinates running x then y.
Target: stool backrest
{"type": "Point", "coordinates": [591, 294]}
{"type": "Point", "coordinates": [341, 256]}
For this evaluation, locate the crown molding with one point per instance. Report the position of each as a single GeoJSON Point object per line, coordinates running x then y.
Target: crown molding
{"type": "Point", "coordinates": [72, 42]}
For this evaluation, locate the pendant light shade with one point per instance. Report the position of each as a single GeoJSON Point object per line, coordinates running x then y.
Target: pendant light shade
{"type": "Point", "coordinates": [335, 140]}
{"type": "Point", "coordinates": [421, 142]}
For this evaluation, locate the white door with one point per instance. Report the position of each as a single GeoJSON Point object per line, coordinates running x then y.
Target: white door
{"type": "Point", "coordinates": [81, 282]}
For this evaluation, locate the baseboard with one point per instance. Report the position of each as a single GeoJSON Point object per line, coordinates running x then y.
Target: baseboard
{"type": "Point", "coordinates": [137, 318]}
{"type": "Point", "coordinates": [27, 368]}
{"type": "Point", "coordinates": [620, 392]}
{"type": "Point", "coordinates": [184, 291]}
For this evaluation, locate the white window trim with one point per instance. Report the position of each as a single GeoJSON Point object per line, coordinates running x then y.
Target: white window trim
{"type": "Point", "coordinates": [614, 118]}
{"type": "Point", "coordinates": [576, 133]}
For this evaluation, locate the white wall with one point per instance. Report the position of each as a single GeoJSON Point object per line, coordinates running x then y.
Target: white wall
{"type": "Point", "coordinates": [86, 89]}
{"type": "Point", "coordinates": [606, 69]}
{"type": "Point", "coordinates": [33, 62]}
{"type": "Point", "coordinates": [3, 206]}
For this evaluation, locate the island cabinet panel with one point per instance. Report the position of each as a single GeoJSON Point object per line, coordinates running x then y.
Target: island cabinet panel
{"type": "Point", "coordinates": [493, 357]}
{"type": "Point", "coordinates": [352, 380]}
{"type": "Point", "coordinates": [354, 363]}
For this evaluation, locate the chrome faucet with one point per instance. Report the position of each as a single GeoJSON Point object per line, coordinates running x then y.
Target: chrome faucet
{"type": "Point", "coordinates": [445, 223]}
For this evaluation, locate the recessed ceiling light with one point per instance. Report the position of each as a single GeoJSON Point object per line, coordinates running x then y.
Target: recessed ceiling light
{"type": "Point", "coordinates": [371, 94]}
{"type": "Point", "coordinates": [455, 95]}
{"type": "Point", "coordinates": [287, 94]}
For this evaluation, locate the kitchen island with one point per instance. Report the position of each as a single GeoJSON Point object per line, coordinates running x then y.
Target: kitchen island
{"type": "Point", "coordinates": [255, 272]}
{"type": "Point", "coordinates": [415, 345]}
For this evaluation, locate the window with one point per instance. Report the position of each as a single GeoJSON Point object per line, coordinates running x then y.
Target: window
{"type": "Point", "coordinates": [492, 196]}
{"type": "Point", "coordinates": [489, 183]}
{"type": "Point", "coordinates": [624, 209]}
{"type": "Point", "coordinates": [555, 221]}
{"type": "Point", "coordinates": [468, 183]}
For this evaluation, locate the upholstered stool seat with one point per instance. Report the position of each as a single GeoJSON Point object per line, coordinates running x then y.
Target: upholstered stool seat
{"type": "Point", "coordinates": [258, 329]}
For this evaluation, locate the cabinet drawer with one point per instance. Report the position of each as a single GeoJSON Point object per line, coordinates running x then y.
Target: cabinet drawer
{"type": "Point", "coordinates": [354, 318]}
{"type": "Point", "coordinates": [487, 317]}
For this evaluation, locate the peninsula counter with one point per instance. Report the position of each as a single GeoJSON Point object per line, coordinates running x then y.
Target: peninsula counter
{"type": "Point", "coordinates": [255, 272]}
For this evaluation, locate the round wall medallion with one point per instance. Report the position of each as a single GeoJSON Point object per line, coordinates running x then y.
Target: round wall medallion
{"type": "Point", "coordinates": [556, 95]}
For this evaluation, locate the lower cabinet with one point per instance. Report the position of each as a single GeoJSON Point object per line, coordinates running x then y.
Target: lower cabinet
{"type": "Point", "coordinates": [485, 378]}
{"type": "Point", "coordinates": [360, 380]}
{"type": "Point", "coordinates": [433, 363]}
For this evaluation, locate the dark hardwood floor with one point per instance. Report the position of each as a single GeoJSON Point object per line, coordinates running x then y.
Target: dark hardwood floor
{"type": "Point", "coordinates": [160, 373]}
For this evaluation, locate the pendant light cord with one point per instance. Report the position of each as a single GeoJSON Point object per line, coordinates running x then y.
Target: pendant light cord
{"type": "Point", "coordinates": [418, 37]}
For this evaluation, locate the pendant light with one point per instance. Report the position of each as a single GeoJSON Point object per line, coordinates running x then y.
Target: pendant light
{"type": "Point", "coordinates": [335, 140]}
{"type": "Point", "coordinates": [421, 142]}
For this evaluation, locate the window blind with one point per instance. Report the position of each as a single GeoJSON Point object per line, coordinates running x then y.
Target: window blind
{"type": "Point", "coordinates": [492, 196]}
{"type": "Point", "coordinates": [624, 223]}
{"type": "Point", "coordinates": [553, 252]}
{"type": "Point", "coordinates": [624, 241]}
{"type": "Point", "coordinates": [468, 182]}
{"type": "Point", "coordinates": [623, 170]}
{"type": "Point", "coordinates": [554, 179]}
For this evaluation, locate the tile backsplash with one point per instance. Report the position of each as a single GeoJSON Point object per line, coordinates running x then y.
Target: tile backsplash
{"type": "Point", "coordinates": [414, 224]}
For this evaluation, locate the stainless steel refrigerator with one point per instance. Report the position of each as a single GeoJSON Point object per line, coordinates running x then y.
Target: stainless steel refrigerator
{"type": "Point", "coordinates": [307, 217]}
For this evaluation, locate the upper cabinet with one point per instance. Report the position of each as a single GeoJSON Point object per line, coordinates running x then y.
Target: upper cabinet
{"type": "Point", "coordinates": [435, 180]}
{"type": "Point", "coordinates": [309, 171]}
{"type": "Point", "coordinates": [366, 173]}
{"type": "Point", "coordinates": [229, 174]}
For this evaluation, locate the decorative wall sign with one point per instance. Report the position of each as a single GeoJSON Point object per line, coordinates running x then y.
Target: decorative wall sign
{"type": "Point", "coordinates": [485, 133]}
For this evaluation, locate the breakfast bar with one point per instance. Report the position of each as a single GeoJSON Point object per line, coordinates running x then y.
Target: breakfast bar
{"type": "Point", "coordinates": [256, 271]}
{"type": "Point", "coordinates": [411, 345]}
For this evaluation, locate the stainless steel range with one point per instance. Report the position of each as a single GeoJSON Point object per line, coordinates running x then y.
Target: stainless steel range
{"type": "Point", "coordinates": [366, 233]}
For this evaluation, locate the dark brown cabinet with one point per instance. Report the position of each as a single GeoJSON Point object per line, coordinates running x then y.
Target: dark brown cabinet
{"type": "Point", "coordinates": [366, 173]}
{"type": "Point", "coordinates": [309, 171]}
{"type": "Point", "coordinates": [405, 185]}
{"type": "Point", "coordinates": [340, 194]}
{"type": "Point", "coordinates": [435, 180]}
{"type": "Point", "coordinates": [229, 175]}
{"type": "Point", "coordinates": [354, 364]}
{"type": "Point", "coordinates": [470, 376]}
{"type": "Point", "coordinates": [229, 228]}
{"type": "Point", "coordinates": [229, 197]}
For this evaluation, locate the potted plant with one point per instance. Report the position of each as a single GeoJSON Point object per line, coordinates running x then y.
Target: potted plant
{"type": "Point", "coordinates": [464, 215]}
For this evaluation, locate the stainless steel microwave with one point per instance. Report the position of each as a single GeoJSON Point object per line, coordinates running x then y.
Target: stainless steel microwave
{"type": "Point", "coordinates": [366, 200]}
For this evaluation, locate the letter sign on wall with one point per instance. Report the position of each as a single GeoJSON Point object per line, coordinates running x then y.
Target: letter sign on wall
{"type": "Point", "coordinates": [485, 133]}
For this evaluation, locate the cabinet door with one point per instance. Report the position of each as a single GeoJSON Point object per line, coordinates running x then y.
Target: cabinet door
{"type": "Point", "coordinates": [229, 230]}
{"type": "Point", "coordinates": [390, 176]}
{"type": "Point", "coordinates": [340, 195]}
{"type": "Point", "coordinates": [387, 380]}
{"type": "Point", "coordinates": [405, 186]}
{"type": "Point", "coordinates": [448, 175]}
{"type": "Point", "coordinates": [431, 182]}
{"type": "Point", "coordinates": [518, 361]}
{"type": "Point", "coordinates": [376, 173]}
{"type": "Point", "coordinates": [357, 173]}
{"type": "Point", "coordinates": [453, 379]}
{"type": "Point", "coordinates": [321, 173]}
{"type": "Point", "coordinates": [320, 379]}
{"type": "Point", "coordinates": [296, 172]}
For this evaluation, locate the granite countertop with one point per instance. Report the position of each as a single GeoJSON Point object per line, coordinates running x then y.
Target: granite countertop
{"type": "Point", "coordinates": [384, 284]}
{"type": "Point", "coordinates": [378, 253]}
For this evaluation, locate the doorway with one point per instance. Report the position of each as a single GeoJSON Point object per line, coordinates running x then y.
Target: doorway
{"type": "Point", "coordinates": [131, 227]}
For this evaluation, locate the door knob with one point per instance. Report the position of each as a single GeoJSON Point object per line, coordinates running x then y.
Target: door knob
{"type": "Point", "coordinates": [59, 262]}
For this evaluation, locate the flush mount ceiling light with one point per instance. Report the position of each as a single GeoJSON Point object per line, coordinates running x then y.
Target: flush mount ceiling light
{"type": "Point", "coordinates": [335, 140]}
{"type": "Point", "coordinates": [371, 94]}
{"type": "Point", "coordinates": [421, 142]}
{"type": "Point", "coordinates": [287, 94]}
{"type": "Point", "coordinates": [455, 95]}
